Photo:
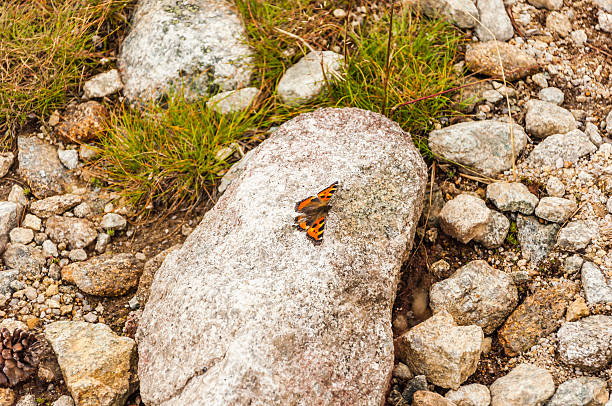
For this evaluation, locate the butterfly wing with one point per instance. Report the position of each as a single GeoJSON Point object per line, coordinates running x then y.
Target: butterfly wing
{"type": "Point", "coordinates": [303, 223]}
{"type": "Point", "coordinates": [327, 193]}
{"type": "Point", "coordinates": [315, 231]}
{"type": "Point", "coordinates": [299, 206]}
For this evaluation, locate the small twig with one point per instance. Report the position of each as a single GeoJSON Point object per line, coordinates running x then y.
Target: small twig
{"type": "Point", "coordinates": [295, 37]}
{"type": "Point", "coordinates": [513, 21]}
{"type": "Point", "coordinates": [387, 62]}
{"type": "Point", "coordinates": [600, 50]}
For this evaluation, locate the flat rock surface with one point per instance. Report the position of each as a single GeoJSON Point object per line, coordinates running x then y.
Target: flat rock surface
{"type": "Point", "coordinates": [98, 366]}
{"type": "Point", "coordinates": [201, 43]}
{"type": "Point", "coordinates": [250, 310]}
{"type": "Point", "coordinates": [485, 146]}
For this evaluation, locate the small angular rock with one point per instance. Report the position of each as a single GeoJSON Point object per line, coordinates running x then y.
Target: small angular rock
{"type": "Point", "coordinates": [576, 235]}
{"type": "Point", "coordinates": [427, 398]}
{"type": "Point", "coordinates": [465, 217]}
{"type": "Point", "coordinates": [74, 232]}
{"type": "Point", "coordinates": [537, 240]}
{"type": "Point", "coordinates": [113, 221]}
{"type": "Point", "coordinates": [103, 84]}
{"type": "Point", "coordinates": [586, 343]}
{"type": "Point", "coordinates": [482, 58]}
{"type": "Point", "coordinates": [83, 122]}
{"type": "Point", "coordinates": [544, 119]}
{"type": "Point", "coordinates": [554, 187]}
{"type": "Point", "coordinates": [539, 315]}
{"type": "Point", "coordinates": [476, 294]}
{"type": "Point", "coordinates": [233, 101]}
{"type": "Point", "coordinates": [68, 157]}
{"type": "Point", "coordinates": [496, 231]}
{"type": "Point", "coordinates": [494, 23]}
{"type": "Point", "coordinates": [583, 391]}
{"type": "Point", "coordinates": [596, 287]}
{"type": "Point", "coordinates": [470, 395]}
{"type": "Point", "coordinates": [444, 352]}
{"type": "Point", "coordinates": [555, 209]}
{"type": "Point", "coordinates": [551, 95]}
{"type": "Point", "coordinates": [525, 385]}
{"type": "Point", "coordinates": [515, 196]}
{"type": "Point", "coordinates": [568, 147]}
{"type": "Point", "coordinates": [55, 205]}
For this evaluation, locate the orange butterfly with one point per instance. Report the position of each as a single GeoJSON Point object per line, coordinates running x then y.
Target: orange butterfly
{"type": "Point", "coordinates": [314, 209]}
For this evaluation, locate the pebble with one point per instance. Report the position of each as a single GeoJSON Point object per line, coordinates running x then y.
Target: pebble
{"type": "Point", "coordinates": [78, 254]}
{"type": "Point", "coordinates": [554, 187]}
{"type": "Point", "coordinates": [536, 239]}
{"type": "Point", "coordinates": [113, 221]}
{"type": "Point", "coordinates": [540, 80]}
{"type": "Point", "coordinates": [470, 395]}
{"type": "Point", "coordinates": [482, 58]}
{"type": "Point", "coordinates": [555, 209]}
{"type": "Point", "coordinates": [513, 197]}
{"type": "Point", "coordinates": [427, 398]}
{"type": "Point", "coordinates": [525, 385]}
{"type": "Point", "coordinates": [576, 235]}
{"type": "Point", "coordinates": [573, 264]}
{"type": "Point", "coordinates": [465, 217]}
{"type": "Point", "coordinates": [63, 400]}
{"type": "Point", "coordinates": [579, 37]}
{"type": "Point", "coordinates": [595, 285]}
{"type": "Point", "coordinates": [495, 232]}
{"type": "Point", "coordinates": [577, 310]}
{"type": "Point", "coordinates": [102, 242]}
{"type": "Point", "coordinates": [69, 158]}
{"type": "Point", "coordinates": [494, 23]}
{"type": "Point", "coordinates": [593, 133]}
{"type": "Point", "coordinates": [558, 23]}
{"type": "Point", "coordinates": [544, 119]}
{"type": "Point", "coordinates": [32, 222]}
{"type": "Point", "coordinates": [551, 95]}
{"type": "Point", "coordinates": [102, 84]}
{"type": "Point", "coordinates": [561, 148]}
{"type": "Point", "coordinates": [20, 235]}
{"type": "Point", "coordinates": [582, 391]}
{"type": "Point", "coordinates": [548, 4]}
{"type": "Point", "coordinates": [586, 343]}
{"type": "Point", "coordinates": [232, 101]}
{"type": "Point", "coordinates": [49, 249]}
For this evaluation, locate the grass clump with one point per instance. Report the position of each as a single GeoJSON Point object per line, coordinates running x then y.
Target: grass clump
{"type": "Point", "coordinates": [421, 59]}
{"type": "Point", "coordinates": [171, 156]}
{"type": "Point", "coordinates": [46, 47]}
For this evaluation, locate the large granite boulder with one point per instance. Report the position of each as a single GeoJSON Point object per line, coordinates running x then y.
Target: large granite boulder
{"type": "Point", "coordinates": [198, 44]}
{"type": "Point", "coordinates": [249, 310]}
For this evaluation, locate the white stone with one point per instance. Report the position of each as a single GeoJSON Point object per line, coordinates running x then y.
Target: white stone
{"type": "Point", "coordinates": [470, 395]}
{"type": "Point", "coordinates": [31, 221]}
{"type": "Point", "coordinates": [113, 221]}
{"type": "Point", "coordinates": [525, 385]}
{"type": "Point", "coordinates": [21, 235]}
{"type": "Point", "coordinates": [49, 249]}
{"type": "Point", "coordinates": [552, 95]}
{"type": "Point", "coordinates": [6, 161]}
{"type": "Point", "coordinates": [462, 13]}
{"type": "Point", "coordinates": [512, 196]}
{"type": "Point", "coordinates": [305, 80]}
{"type": "Point", "coordinates": [465, 217]}
{"type": "Point", "coordinates": [554, 187]}
{"type": "Point", "coordinates": [233, 101]}
{"type": "Point", "coordinates": [68, 157]}
{"type": "Point", "coordinates": [544, 119]}
{"type": "Point", "coordinates": [103, 84]}
{"type": "Point", "coordinates": [555, 209]}
{"type": "Point", "coordinates": [595, 285]}
{"type": "Point", "coordinates": [494, 23]}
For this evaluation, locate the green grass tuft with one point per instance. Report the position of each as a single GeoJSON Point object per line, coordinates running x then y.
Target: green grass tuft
{"type": "Point", "coordinates": [45, 48]}
{"type": "Point", "coordinates": [171, 155]}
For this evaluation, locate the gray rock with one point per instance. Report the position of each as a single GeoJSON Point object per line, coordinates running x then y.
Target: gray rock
{"type": "Point", "coordinates": [103, 84]}
{"type": "Point", "coordinates": [63, 400]}
{"type": "Point", "coordinates": [567, 147]}
{"type": "Point", "coordinates": [555, 209]}
{"type": "Point", "coordinates": [17, 195]}
{"type": "Point", "coordinates": [605, 5]}
{"type": "Point", "coordinates": [21, 235]}
{"type": "Point", "coordinates": [593, 133]}
{"type": "Point", "coordinates": [476, 294]}
{"type": "Point", "coordinates": [544, 119]}
{"type": "Point", "coordinates": [573, 263]}
{"type": "Point", "coordinates": [24, 258]}
{"type": "Point", "coordinates": [6, 161]}
{"type": "Point", "coordinates": [605, 21]}
{"type": "Point", "coordinates": [558, 23]}
{"type": "Point", "coordinates": [68, 157]}
{"type": "Point", "coordinates": [49, 249]}
{"type": "Point", "coordinates": [525, 385]}
{"type": "Point", "coordinates": [579, 37]}
{"type": "Point", "coordinates": [470, 395]}
{"type": "Point", "coordinates": [102, 242]}
{"type": "Point", "coordinates": [495, 232]}
{"type": "Point", "coordinates": [540, 80]}
{"type": "Point", "coordinates": [492, 96]}
{"type": "Point", "coordinates": [233, 101]}
{"type": "Point", "coordinates": [82, 210]}
{"type": "Point", "coordinates": [595, 285]}
{"type": "Point", "coordinates": [6, 278]}
{"type": "Point", "coordinates": [462, 13]}
{"type": "Point", "coordinates": [583, 391]}
{"type": "Point", "coordinates": [494, 23]}
{"type": "Point", "coordinates": [465, 217]}
{"type": "Point", "coordinates": [537, 240]}
{"type": "Point", "coordinates": [40, 166]}
{"type": "Point", "coordinates": [113, 221]}
{"type": "Point", "coordinates": [78, 254]}
{"type": "Point", "coordinates": [551, 95]}
{"type": "Point", "coordinates": [485, 146]}
{"type": "Point", "coordinates": [55, 205]}
{"type": "Point", "coordinates": [548, 4]}
{"type": "Point", "coordinates": [105, 275]}
{"type": "Point", "coordinates": [554, 187]}
{"type": "Point", "coordinates": [32, 222]}
{"type": "Point", "coordinates": [514, 196]}
{"type": "Point", "coordinates": [199, 45]}
{"type": "Point", "coordinates": [27, 400]}
{"type": "Point", "coordinates": [74, 232]}
{"type": "Point", "coordinates": [87, 152]}
{"type": "Point", "coordinates": [445, 353]}
{"type": "Point", "coordinates": [216, 288]}
{"type": "Point", "coordinates": [586, 343]}
{"type": "Point", "coordinates": [8, 221]}
{"type": "Point", "coordinates": [98, 366]}
{"type": "Point", "coordinates": [576, 235]}
{"type": "Point", "coordinates": [305, 80]}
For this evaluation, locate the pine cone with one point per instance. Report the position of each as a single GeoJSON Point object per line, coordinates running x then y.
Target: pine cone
{"type": "Point", "coordinates": [18, 360]}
